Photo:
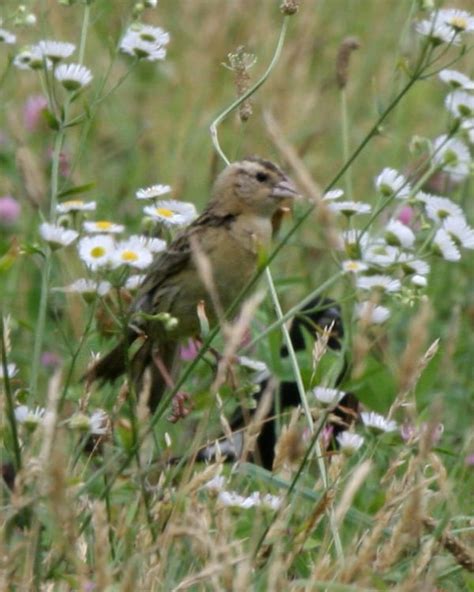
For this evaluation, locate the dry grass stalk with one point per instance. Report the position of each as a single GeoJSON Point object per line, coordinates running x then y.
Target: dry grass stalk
{"type": "Point", "coordinates": [32, 174]}
{"type": "Point", "coordinates": [200, 479]}
{"type": "Point", "coordinates": [357, 479]}
{"type": "Point", "coordinates": [318, 512]}
{"type": "Point", "coordinates": [51, 417]}
{"type": "Point", "coordinates": [290, 7]}
{"type": "Point", "coordinates": [234, 335]}
{"type": "Point", "coordinates": [101, 547]}
{"type": "Point", "coordinates": [290, 448]}
{"type": "Point", "coordinates": [420, 566]}
{"type": "Point", "coordinates": [301, 174]}
{"type": "Point", "coordinates": [347, 47]}
{"type": "Point", "coordinates": [459, 550]}
{"type": "Point", "coordinates": [240, 63]}
{"type": "Point", "coordinates": [406, 533]}
{"type": "Point", "coordinates": [254, 428]}
{"type": "Point", "coordinates": [412, 362]}
{"type": "Point", "coordinates": [321, 345]}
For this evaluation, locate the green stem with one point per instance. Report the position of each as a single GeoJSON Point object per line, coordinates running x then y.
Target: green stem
{"type": "Point", "coordinates": [306, 409]}
{"type": "Point", "coordinates": [84, 29]}
{"type": "Point", "coordinates": [345, 141]}
{"type": "Point", "coordinates": [10, 409]}
{"type": "Point", "coordinates": [250, 92]}
{"type": "Point", "coordinates": [41, 320]}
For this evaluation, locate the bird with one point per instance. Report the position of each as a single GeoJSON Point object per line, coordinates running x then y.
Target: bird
{"type": "Point", "coordinates": [231, 234]}
{"type": "Point", "coordinates": [317, 315]}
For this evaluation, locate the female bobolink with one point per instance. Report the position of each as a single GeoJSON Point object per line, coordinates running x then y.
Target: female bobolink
{"type": "Point", "coordinates": [234, 227]}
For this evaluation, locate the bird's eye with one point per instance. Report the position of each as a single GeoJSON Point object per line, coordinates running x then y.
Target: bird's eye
{"type": "Point", "coordinates": [261, 177]}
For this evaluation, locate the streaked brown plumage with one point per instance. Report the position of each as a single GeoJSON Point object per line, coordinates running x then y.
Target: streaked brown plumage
{"type": "Point", "coordinates": [235, 225]}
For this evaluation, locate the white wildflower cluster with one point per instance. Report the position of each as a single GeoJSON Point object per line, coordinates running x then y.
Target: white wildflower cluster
{"type": "Point", "coordinates": [448, 25]}
{"type": "Point", "coordinates": [145, 42]}
{"type": "Point", "coordinates": [234, 499]}
{"type": "Point", "coordinates": [421, 226]}
{"type": "Point", "coordinates": [101, 245]}
{"type": "Point", "coordinates": [328, 398]}
{"type": "Point", "coordinates": [48, 54]}
{"type": "Point", "coordinates": [168, 212]}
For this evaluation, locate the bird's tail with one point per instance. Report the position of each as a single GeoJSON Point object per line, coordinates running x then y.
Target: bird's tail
{"type": "Point", "coordinates": [159, 360]}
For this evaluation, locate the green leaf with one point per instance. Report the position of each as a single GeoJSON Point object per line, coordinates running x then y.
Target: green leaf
{"type": "Point", "coordinates": [77, 189]}
{"type": "Point", "coordinates": [50, 119]}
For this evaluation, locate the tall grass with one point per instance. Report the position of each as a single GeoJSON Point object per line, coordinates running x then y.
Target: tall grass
{"type": "Point", "coordinates": [98, 495]}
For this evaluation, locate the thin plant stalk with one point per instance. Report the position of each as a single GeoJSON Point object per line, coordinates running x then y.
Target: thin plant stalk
{"type": "Point", "coordinates": [9, 398]}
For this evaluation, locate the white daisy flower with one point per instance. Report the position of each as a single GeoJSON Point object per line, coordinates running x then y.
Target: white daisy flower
{"type": "Point", "coordinates": [134, 45]}
{"type": "Point", "coordinates": [55, 50]}
{"type": "Point", "coordinates": [419, 281]}
{"type": "Point", "coordinates": [216, 483]}
{"type": "Point", "coordinates": [103, 226]}
{"type": "Point", "coordinates": [150, 34]}
{"type": "Point", "coordinates": [354, 242]}
{"type": "Point", "coordinates": [12, 371]}
{"type": "Point", "coordinates": [31, 58]}
{"type": "Point", "coordinates": [438, 208]}
{"type": "Point", "coordinates": [460, 231]}
{"type": "Point", "coordinates": [73, 77]}
{"type": "Point", "coordinates": [76, 205]}
{"type": "Point", "coordinates": [453, 155]}
{"type": "Point", "coordinates": [444, 245]}
{"type": "Point", "coordinates": [460, 21]}
{"type": "Point", "coordinates": [380, 254]}
{"type": "Point", "coordinates": [391, 182]}
{"type": "Point", "coordinates": [456, 80]}
{"type": "Point", "coordinates": [99, 422]}
{"type": "Point", "coordinates": [350, 208]}
{"type": "Point", "coordinates": [96, 424]}
{"type": "Point", "coordinates": [468, 126]}
{"type": "Point", "coordinates": [437, 32]}
{"type": "Point", "coordinates": [378, 422]}
{"type": "Point", "coordinates": [87, 288]}
{"type": "Point", "coordinates": [154, 245]}
{"type": "Point", "coordinates": [133, 282]}
{"type": "Point", "coordinates": [153, 192]}
{"type": "Point", "coordinates": [171, 213]}
{"type": "Point", "coordinates": [349, 443]}
{"type": "Point", "coordinates": [131, 252]}
{"type": "Point", "coordinates": [371, 313]}
{"type": "Point", "coordinates": [411, 265]}
{"type": "Point", "coordinates": [7, 37]}
{"type": "Point", "coordinates": [271, 501]}
{"type": "Point", "coordinates": [333, 194]}
{"type": "Point", "coordinates": [96, 251]}
{"type": "Point", "coordinates": [378, 282]}
{"type": "Point", "coordinates": [353, 266]}
{"type": "Point", "coordinates": [399, 234]}
{"type": "Point", "coordinates": [150, 3]}
{"type": "Point", "coordinates": [233, 499]}
{"type": "Point", "coordinates": [259, 368]}
{"type": "Point", "coordinates": [30, 418]}
{"type": "Point", "coordinates": [328, 397]}
{"type": "Point", "coordinates": [57, 236]}
{"type": "Point", "coordinates": [460, 104]}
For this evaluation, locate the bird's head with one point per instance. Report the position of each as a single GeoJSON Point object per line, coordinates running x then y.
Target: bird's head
{"type": "Point", "coordinates": [253, 185]}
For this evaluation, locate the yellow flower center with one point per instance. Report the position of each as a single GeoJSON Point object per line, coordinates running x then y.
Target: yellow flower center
{"type": "Point", "coordinates": [164, 212]}
{"type": "Point", "coordinates": [97, 252]}
{"type": "Point", "coordinates": [73, 203]}
{"type": "Point", "coordinates": [352, 266]}
{"type": "Point", "coordinates": [129, 256]}
{"type": "Point", "coordinates": [103, 225]}
{"type": "Point", "coordinates": [458, 22]}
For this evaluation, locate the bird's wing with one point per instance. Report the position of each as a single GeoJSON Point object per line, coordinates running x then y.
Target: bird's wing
{"type": "Point", "coordinates": [177, 257]}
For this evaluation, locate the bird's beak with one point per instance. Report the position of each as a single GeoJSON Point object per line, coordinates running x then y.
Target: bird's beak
{"type": "Point", "coordinates": [284, 190]}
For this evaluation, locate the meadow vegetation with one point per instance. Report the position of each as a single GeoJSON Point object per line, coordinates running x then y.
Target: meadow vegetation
{"type": "Point", "coordinates": [369, 107]}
